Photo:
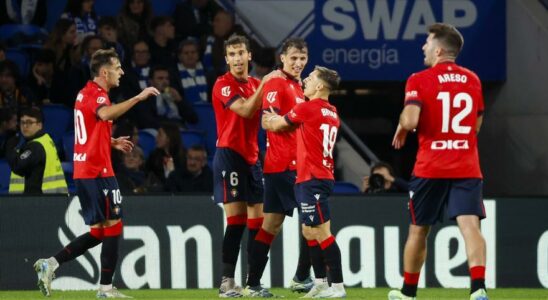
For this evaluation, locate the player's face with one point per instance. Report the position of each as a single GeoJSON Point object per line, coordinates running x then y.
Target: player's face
{"type": "Point", "coordinates": [237, 58]}
{"type": "Point", "coordinates": [294, 61]}
{"type": "Point", "coordinates": [429, 50]}
{"type": "Point", "coordinates": [113, 73]}
{"type": "Point", "coordinates": [311, 84]}
{"type": "Point", "coordinates": [29, 126]}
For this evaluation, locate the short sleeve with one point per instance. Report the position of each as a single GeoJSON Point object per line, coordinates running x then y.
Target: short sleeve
{"type": "Point", "coordinates": [97, 101]}
{"type": "Point", "coordinates": [226, 92]}
{"type": "Point", "coordinates": [272, 92]}
{"type": "Point", "coordinates": [412, 92]}
{"type": "Point", "coordinates": [297, 115]}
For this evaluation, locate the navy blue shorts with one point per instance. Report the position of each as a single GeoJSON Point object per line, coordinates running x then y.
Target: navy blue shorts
{"type": "Point", "coordinates": [234, 180]}
{"type": "Point", "coordinates": [279, 193]}
{"type": "Point", "coordinates": [431, 197]}
{"type": "Point", "coordinates": [100, 199]}
{"type": "Point", "coordinates": [312, 198]}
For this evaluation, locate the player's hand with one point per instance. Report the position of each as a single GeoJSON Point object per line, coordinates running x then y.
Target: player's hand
{"type": "Point", "coordinates": [147, 92]}
{"type": "Point", "coordinates": [272, 75]}
{"type": "Point", "coordinates": [399, 137]}
{"type": "Point", "coordinates": [122, 143]}
{"type": "Point", "coordinates": [269, 115]}
{"type": "Point", "coordinates": [365, 183]}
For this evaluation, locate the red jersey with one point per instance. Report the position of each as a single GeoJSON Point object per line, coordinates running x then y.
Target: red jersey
{"type": "Point", "coordinates": [235, 132]}
{"type": "Point", "coordinates": [91, 134]}
{"type": "Point", "coordinates": [316, 136]}
{"type": "Point", "coordinates": [281, 147]}
{"type": "Point", "coordinates": [451, 100]}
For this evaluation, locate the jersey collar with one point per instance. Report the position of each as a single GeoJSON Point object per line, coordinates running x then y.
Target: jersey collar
{"type": "Point", "coordinates": [237, 79]}
{"type": "Point", "coordinates": [289, 76]}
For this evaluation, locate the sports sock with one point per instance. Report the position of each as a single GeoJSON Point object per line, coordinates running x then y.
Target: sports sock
{"type": "Point", "coordinates": [253, 226]}
{"type": "Point", "coordinates": [303, 266]}
{"type": "Point", "coordinates": [259, 257]}
{"type": "Point", "coordinates": [109, 252]}
{"type": "Point", "coordinates": [231, 243]}
{"type": "Point", "coordinates": [316, 258]}
{"type": "Point", "coordinates": [410, 282]}
{"type": "Point", "coordinates": [332, 257]}
{"type": "Point", "coordinates": [477, 277]}
{"type": "Point", "coordinates": [79, 245]}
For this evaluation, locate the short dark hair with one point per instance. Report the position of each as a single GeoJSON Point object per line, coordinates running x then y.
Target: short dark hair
{"type": "Point", "coordinates": [6, 114]}
{"type": "Point", "coordinates": [45, 56]}
{"type": "Point", "coordinates": [102, 57]}
{"type": "Point", "coordinates": [382, 164]}
{"type": "Point", "coordinates": [9, 67]}
{"type": "Point", "coordinates": [295, 42]}
{"type": "Point", "coordinates": [449, 36]}
{"type": "Point", "coordinates": [155, 69]}
{"type": "Point", "coordinates": [107, 21]}
{"type": "Point", "coordinates": [33, 112]}
{"type": "Point", "coordinates": [187, 42]}
{"type": "Point", "coordinates": [330, 77]}
{"type": "Point", "coordinates": [198, 147]}
{"type": "Point", "coordinates": [236, 39]}
{"type": "Point", "coordinates": [159, 21]}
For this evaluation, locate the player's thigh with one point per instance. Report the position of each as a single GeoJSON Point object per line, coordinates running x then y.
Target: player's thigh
{"type": "Point", "coordinates": [279, 194]}
{"type": "Point", "coordinates": [255, 185]}
{"type": "Point", "coordinates": [235, 209]}
{"type": "Point", "coordinates": [428, 198]}
{"type": "Point", "coordinates": [231, 176]}
{"type": "Point", "coordinates": [100, 199]}
{"type": "Point", "coordinates": [312, 197]}
{"type": "Point", "coordinates": [466, 198]}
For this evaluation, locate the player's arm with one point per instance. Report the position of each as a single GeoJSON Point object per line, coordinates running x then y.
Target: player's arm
{"type": "Point", "coordinates": [479, 121]}
{"type": "Point", "coordinates": [246, 108]}
{"type": "Point", "coordinates": [409, 118]}
{"type": "Point", "coordinates": [114, 111]}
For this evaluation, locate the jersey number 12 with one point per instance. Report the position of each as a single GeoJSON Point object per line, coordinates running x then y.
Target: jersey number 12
{"type": "Point", "coordinates": [457, 102]}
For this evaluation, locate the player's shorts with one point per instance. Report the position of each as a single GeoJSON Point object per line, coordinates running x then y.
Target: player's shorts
{"type": "Point", "coordinates": [234, 180]}
{"type": "Point", "coordinates": [100, 199]}
{"type": "Point", "coordinates": [279, 193]}
{"type": "Point", "coordinates": [431, 197]}
{"type": "Point", "coordinates": [312, 198]}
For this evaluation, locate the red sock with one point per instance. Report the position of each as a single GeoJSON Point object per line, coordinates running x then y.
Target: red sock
{"type": "Point", "coordinates": [411, 278]}
{"type": "Point", "coordinates": [477, 272]}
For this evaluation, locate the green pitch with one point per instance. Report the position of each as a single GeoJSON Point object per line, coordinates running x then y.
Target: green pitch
{"type": "Point", "coordinates": [352, 293]}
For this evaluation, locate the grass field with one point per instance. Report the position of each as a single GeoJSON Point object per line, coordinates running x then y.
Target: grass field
{"type": "Point", "coordinates": [353, 293]}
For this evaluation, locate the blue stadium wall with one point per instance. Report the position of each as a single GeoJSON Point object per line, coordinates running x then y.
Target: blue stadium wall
{"type": "Point", "coordinates": [175, 242]}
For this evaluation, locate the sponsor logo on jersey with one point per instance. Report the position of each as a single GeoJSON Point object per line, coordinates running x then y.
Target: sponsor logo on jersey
{"type": "Point", "coordinates": [329, 113]}
{"type": "Point", "coordinates": [449, 145]}
{"type": "Point", "coordinates": [79, 157]}
{"type": "Point", "coordinates": [101, 100]}
{"type": "Point", "coordinates": [411, 94]}
{"type": "Point", "coordinates": [299, 100]}
{"type": "Point", "coordinates": [225, 91]}
{"type": "Point", "coordinates": [271, 97]}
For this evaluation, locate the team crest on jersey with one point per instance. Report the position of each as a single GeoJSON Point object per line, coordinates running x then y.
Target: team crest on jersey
{"type": "Point", "coordinates": [116, 210]}
{"type": "Point", "coordinates": [271, 97]}
{"type": "Point", "coordinates": [299, 100]}
{"type": "Point", "coordinates": [79, 97]}
{"type": "Point", "coordinates": [25, 154]}
{"type": "Point", "coordinates": [101, 100]}
{"type": "Point", "coordinates": [234, 193]}
{"type": "Point", "coordinates": [225, 91]}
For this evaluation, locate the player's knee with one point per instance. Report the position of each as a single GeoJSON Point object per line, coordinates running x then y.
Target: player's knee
{"type": "Point", "coordinates": [308, 233]}
{"type": "Point", "coordinates": [254, 223]}
{"type": "Point", "coordinates": [237, 220]}
{"type": "Point", "coordinates": [113, 230]}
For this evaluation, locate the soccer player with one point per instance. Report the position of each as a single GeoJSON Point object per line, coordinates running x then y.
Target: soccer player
{"type": "Point", "coordinates": [317, 122]}
{"type": "Point", "coordinates": [237, 172]}
{"type": "Point", "coordinates": [282, 94]}
{"type": "Point", "coordinates": [97, 188]}
{"type": "Point", "coordinates": [444, 104]}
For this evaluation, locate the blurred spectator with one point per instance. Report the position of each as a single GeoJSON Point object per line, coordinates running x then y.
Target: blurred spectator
{"type": "Point", "coordinates": [131, 176]}
{"type": "Point", "coordinates": [264, 62]}
{"type": "Point", "coordinates": [8, 128]}
{"type": "Point", "coordinates": [80, 72]}
{"type": "Point", "coordinates": [191, 72]}
{"type": "Point", "coordinates": [382, 180]}
{"type": "Point", "coordinates": [137, 72]}
{"type": "Point", "coordinates": [196, 177]}
{"type": "Point", "coordinates": [44, 86]}
{"type": "Point", "coordinates": [134, 21]}
{"type": "Point", "coordinates": [168, 156]}
{"type": "Point", "coordinates": [168, 106]}
{"type": "Point", "coordinates": [23, 12]}
{"type": "Point", "coordinates": [162, 44]}
{"type": "Point", "coordinates": [194, 18]}
{"type": "Point", "coordinates": [62, 40]}
{"type": "Point", "coordinates": [2, 52]}
{"type": "Point", "coordinates": [213, 45]}
{"type": "Point", "coordinates": [107, 30]}
{"type": "Point", "coordinates": [13, 94]}
{"type": "Point", "coordinates": [82, 14]}
{"type": "Point", "coordinates": [123, 127]}
{"type": "Point", "coordinates": [35, 165]}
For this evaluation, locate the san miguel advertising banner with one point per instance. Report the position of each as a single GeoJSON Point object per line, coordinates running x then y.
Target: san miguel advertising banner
{"type": "Point", "coordinates": [381, 40]}
{"type": "Point", "coordinates": [175, 242]}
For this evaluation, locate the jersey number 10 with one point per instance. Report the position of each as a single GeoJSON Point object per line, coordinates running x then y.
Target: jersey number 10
{"type": "Point", "coordinates": [457, 102]}
{"type": "Point", "coordinates": [80, 134]}
{"type": "Point", "coordinates": [329, 138]}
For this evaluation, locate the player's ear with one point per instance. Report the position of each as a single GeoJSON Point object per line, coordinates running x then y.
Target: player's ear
{"type": "Point", "coordinates": [249, 57]}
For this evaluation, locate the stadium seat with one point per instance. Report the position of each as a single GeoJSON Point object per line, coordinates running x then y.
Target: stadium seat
{"type": "Point", "coordinates": [57, 120]}
{"type": "Point", "coordinates": [22, 36]}
{"type": "Point", "coordinates": [192, 137]}
{"type": "Point", "coordinates": [343, 187]}
{"type": "Point", "coordinates": [5, 173]}
{"type": "Point", "coordinates": [21, 59]}
{"type": "Point", "coordinates": [147, 142]}
{"type": "Point", "coordinates": [206, 123]}
{"type": "Point", "coordinates": [68, 146]}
